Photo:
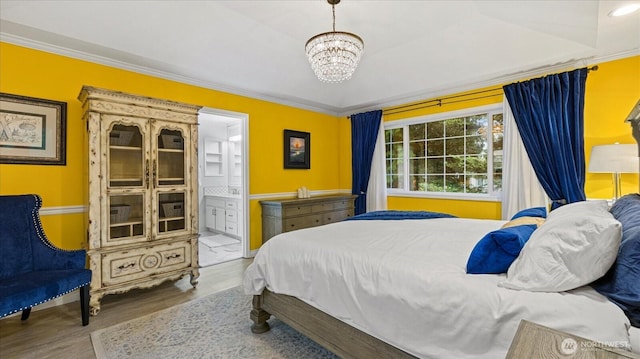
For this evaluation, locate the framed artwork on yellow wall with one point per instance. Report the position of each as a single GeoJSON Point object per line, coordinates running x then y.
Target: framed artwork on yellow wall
{"type": "Point", "coordinates": [32, 130]}
{"type": "Point", "coordinates": [297, 149]}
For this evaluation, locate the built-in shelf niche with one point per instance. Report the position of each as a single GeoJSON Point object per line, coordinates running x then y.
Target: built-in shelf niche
{"type": "Point", "coordinates": [213, 157]}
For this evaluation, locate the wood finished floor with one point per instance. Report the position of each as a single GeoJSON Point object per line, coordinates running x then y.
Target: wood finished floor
{"type": "Point", "coordinates": [57, 332]}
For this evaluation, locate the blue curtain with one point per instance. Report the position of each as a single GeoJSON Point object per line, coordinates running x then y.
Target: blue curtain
{"type": "Point", "coordinates": [549, 113]}
{"type": "Point", "coordinates": [364, 133]}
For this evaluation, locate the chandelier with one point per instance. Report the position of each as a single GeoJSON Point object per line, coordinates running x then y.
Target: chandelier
{"type": "Point", "coordinates": [334, 55]}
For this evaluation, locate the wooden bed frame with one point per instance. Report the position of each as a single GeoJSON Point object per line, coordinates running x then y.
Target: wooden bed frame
{"type": "Point", "coordinates": [333, 334]}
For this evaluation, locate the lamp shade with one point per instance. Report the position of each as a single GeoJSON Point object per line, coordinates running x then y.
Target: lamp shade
{"type": "Point", "coordinates": [614, 159]}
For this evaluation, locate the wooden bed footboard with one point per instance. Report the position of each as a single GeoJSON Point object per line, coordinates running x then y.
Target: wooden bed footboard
{"type": "Point", "coordinates": [333, 334]}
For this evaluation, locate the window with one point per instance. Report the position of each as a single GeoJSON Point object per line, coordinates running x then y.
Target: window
{"type": "Point", "coordinates": [453, 153]}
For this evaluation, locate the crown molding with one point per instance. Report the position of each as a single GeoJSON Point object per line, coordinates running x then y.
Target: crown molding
{"type": "Point", "coordinates": [146, 68]}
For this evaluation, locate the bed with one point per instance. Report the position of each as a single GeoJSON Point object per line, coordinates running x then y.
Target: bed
{"type": "Point", "coordinates": [400, 289]}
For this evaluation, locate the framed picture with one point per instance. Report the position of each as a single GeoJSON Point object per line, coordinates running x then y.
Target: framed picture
{"type": "Point", "coordinates": [297, 149]}
{"type": "Point", "coordinates": [32, 130]}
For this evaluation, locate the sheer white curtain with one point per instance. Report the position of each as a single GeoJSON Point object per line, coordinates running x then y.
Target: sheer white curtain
{"type": "Point", "coordinates": [520, 186]}
{"type": "Point", "coordinates": [377, 190]}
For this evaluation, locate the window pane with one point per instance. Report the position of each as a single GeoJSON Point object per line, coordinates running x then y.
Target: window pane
{"type": "Point", "coordinates": [476, 145]}
{"type": "Point", "coordinates": [497, 163]}
{"type": "Point", "coordinates": [394, 166]}
{"type": "Point", "coordinates": [498, 131]}
{"type": "Point", "coordinates": [389, 166]}
{"type": "Point", "coordinates": [387, 136]}
{"type": "Point", "coordinates": [477, 184]}
{"type": "Point", "coordinates": [394, 181]}
{"type": "Point", "coordinates": [397, 150]}
{"type": "Point", "coordinates": [497, 182]}
{"type": "Point", "coordinates": [454, 183]}
{"type": "Point", "coordinates": [435, 183]}
{"type": "Point", "coordinates": [417, 132]}
{"type": "Point", "coordinates": [417, 183]}
{"type": "Point", "coordinates": [387, 150]}
{"type": "Point", "coordinates": [435, 165]}
{"type": "Point", "coordinates": [476, 164]}
{"type": "Point", "coordinates": [416, 149]}
{"type": "Point", "coordinates": [396, 135]}
{"type": "Point", "coordinates": [417, 166]}
{"type": "Point", "coordinates": [435, 129]}
{"type": "Point", "coordinates": [454, 127]}
{"type": "Point", "coordinates": [454, 164]}
{"type": "Point", "coordinates": [455, 146]}
{"type": "Point", "coordinates": [476, 124]}
{"type": "Point", "coordinates": [435, 148]}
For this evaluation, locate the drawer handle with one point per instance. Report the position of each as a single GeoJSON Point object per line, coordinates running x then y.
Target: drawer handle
{"type": "Point", "coordinates": [126, 266]}
{"type": "Point", "coordinates": [173, 256]}
{"type": "Point", "coordinates": [329, 218]}
{"type": "Point", "coordinates": [293, 225]}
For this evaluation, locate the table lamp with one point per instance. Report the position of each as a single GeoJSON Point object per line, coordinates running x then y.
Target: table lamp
{"type": "Point", "coordinates": [614, 159]}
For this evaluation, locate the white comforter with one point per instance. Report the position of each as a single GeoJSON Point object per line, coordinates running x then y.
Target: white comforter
{"type": "Point", "coordinates": [404, 282]}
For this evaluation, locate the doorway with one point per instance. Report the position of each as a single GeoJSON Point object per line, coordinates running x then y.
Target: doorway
{"type": "Point", "coordinates": [223, 186]}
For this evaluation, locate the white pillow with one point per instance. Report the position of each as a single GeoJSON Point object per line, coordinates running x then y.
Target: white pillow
{"type": "Point", "coordinates": [576, 245]}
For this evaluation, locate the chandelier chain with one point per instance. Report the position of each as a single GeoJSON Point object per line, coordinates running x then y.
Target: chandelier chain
{"type": "Point", "coordinates": [333, 8]}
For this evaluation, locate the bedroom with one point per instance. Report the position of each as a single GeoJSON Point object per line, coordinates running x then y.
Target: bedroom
{"type": "Point", "coordinates": [611, 91]}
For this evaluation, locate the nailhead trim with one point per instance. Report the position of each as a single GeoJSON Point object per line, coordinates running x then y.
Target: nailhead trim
{"type": "Point", "coordinates": [35, 215]}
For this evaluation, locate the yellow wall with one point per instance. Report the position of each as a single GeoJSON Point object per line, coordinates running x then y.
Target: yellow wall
{"type": "Point", "coordinates": [611, 93]}
{"type": "Point", "coordinates": [39, 74]}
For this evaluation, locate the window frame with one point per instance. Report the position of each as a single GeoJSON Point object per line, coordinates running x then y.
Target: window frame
{"type": "Point", "coordinates": [491, 195]}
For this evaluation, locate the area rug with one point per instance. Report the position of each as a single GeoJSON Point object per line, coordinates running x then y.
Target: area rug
{"type": "Point", "coordinates": [216, 326]}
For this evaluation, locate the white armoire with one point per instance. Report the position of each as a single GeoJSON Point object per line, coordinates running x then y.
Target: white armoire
{"type": "Point", "coordinates": [142, 192]}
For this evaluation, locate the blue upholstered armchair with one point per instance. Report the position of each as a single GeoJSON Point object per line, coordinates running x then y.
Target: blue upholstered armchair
{"type": "Point", "coordinates": [32, 269]}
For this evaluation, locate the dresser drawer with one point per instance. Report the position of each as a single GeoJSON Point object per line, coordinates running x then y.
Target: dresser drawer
{"type": "Point", "coordinates": [291, 224]}
{"type": "Point", "coordinates": [291, 211]}
{"type": "Point", "coordinates": [322, 207]}
{"type": "Point", "coordinates": [343, 204]}
{"type": "Point", "coordinates": [335, 216]}
{"type": "Point", "coordinates": [137, 263]}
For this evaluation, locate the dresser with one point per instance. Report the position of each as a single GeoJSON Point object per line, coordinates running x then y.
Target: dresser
{"type": "Point", "coordinates": [287, 215]}
{"type": "Point", "coordinates": [141, 191]}
{"type": "Point", "coordinates": [536, 341]}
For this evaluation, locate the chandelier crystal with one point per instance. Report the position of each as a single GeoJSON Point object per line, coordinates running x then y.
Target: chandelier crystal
{"type": "Point", "coordinates": [334, 56]}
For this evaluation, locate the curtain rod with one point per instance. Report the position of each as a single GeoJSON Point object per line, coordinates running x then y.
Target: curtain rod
{"type": "Point", "coordinates": [439, 101]}
{"type": "Point", "coordinates": [442, 101]}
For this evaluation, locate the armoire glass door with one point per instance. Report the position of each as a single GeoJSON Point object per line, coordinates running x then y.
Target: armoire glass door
{"type": "Point", "coordinates": [170, 180]}
{"type": "Point", "coordinates": [126, 185]}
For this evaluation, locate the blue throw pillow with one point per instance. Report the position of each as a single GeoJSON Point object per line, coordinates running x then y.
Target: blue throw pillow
{"type": "Point", "coordinates": [531, 212]}
{"type": "Point", "coordinates": [622, 283]}
{"type": "Point", "coordinates": [495, 252]}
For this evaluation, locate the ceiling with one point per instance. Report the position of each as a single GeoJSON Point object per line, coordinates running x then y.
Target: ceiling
{"type": "Point", "coordinates": [413, 49]}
